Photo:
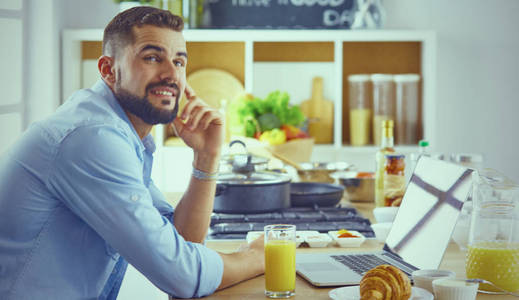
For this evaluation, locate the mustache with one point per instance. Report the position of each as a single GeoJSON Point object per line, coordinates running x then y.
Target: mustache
{"type": "Point", "coordinates": [163, 83]}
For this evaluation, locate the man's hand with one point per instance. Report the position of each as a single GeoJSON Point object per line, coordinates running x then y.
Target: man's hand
{"type": "Point", "coordinates": [250, 255]}
{"type": "Point", "coordinates": [203, 129]}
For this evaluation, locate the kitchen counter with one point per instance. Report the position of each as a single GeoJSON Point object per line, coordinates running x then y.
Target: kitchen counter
{"type": "Point", "coordinates": [454, 260]}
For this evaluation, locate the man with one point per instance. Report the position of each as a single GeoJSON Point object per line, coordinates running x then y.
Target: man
{"type": "Point", "coordinates": [76, 199]}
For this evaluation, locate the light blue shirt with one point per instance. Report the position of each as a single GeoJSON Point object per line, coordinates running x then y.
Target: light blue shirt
{"type": "Point", "coordinates": [75, 193]}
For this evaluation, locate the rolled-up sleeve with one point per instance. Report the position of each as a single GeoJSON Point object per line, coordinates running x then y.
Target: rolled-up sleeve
{"type": "Point", "coordinates": [98, 175]}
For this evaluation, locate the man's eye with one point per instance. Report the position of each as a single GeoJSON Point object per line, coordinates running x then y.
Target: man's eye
{"type": "Point", "coordinates": [152, 58]}
{"type": "Point", "coordinates": [179, 63]}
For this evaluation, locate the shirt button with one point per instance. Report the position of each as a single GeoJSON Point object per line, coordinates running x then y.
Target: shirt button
{"type": "Point", "coordinates": [134, 197]}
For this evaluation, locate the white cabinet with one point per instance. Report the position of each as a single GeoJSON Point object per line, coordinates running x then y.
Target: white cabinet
{"type": "Point", "coordinates": [267, 60]}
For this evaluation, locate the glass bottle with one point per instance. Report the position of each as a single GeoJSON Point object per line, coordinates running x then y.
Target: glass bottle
{"type": "Point", "coordinates": [414, 157]}
{"type": "Point", "coordinates": [493, 251]}
{"type": "Point", "coordinates": [380, 157]}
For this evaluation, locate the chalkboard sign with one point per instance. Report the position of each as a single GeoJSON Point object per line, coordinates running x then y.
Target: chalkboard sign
{"type": "Point", "coordinates": [278, 14]}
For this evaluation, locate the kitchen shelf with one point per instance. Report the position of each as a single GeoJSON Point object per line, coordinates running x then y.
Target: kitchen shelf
{"type": "Point", "coordinates": [262, 59]}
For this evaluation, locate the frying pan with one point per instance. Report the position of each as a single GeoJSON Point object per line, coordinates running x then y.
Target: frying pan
{"type": "Point", "coordinates": [315, 193]}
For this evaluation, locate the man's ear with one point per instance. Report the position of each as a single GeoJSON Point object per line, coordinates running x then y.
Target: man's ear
{"type": "Point", "coordinates": [105, 64]}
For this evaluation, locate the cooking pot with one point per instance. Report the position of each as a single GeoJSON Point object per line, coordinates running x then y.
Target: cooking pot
{"type": "Point", "coordinates": [256, 192]}
{"type": "Point", "coordinates": [246, 190]}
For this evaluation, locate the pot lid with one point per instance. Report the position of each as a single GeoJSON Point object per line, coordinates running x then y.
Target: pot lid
{"type": "Point", "coordinates": [253, 178]}
{"type": "Point", "coordinates": [242, 159]}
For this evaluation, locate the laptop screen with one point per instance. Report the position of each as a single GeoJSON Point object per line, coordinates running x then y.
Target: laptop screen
{"type": "Point", "coordinates": [430, 207]}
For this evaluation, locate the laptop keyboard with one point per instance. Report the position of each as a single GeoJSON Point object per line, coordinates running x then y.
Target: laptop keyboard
{"type": "Point", "coordinates": [322, 219]}
{"type": "Point", "coordinates": [360, 263]}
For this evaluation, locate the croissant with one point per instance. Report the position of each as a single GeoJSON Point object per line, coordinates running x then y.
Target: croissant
{"type": "Point", "coordinates": [385, 282]}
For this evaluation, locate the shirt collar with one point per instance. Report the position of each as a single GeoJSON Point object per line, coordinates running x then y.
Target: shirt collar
{"type": "Point", "coordinates": [101, 88]}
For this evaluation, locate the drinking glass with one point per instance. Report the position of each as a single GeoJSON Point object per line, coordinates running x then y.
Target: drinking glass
{"type": "Point", "coordinates": [493, 251]}
{"type": "Point", "coordinates": [280, 260]}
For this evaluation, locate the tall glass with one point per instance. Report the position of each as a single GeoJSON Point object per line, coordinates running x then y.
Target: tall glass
{"type": "Point", "coordinates": [280, 260]}
{"type": "Point", "coordinates": [493, 251]}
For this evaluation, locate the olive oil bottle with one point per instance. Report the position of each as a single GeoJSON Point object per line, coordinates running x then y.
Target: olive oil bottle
{"type": "Point", "coordinates": [386, 147]}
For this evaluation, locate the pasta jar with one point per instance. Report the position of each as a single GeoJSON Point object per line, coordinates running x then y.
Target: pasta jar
{"type": "Point", "coordinates": [394, 179]}
{"type": "Point", "coordinates": [360, 109]}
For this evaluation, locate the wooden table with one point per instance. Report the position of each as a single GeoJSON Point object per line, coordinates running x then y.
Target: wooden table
{"type": "Point", "coordinates": [454, 260]}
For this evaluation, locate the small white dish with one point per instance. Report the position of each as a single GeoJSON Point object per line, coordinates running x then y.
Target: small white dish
{"type": "Point", "coordinates": [385, 214]}
{"type": "Point", "coordinates": [353, 293]}
{"type": "Point", "coordinates": [348, 241]}
{"type": "Point", "coordinates": [454, 289]}
{"type": "Point", "coordinates": [319, 240]}
{"type": "Point", "coordinates": [424, 278]}
{"type": "Point", "coordinates": [300, 236]}
{"type": "Point", "coordinates": [381, 230]}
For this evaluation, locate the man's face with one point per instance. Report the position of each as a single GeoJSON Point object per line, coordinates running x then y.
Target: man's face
{"type": "Point", "coordinates": [151, 74]}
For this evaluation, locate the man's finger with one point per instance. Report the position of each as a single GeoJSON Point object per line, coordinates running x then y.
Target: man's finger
{"type": "Point", "coordinates": [190, 93]}
{"type": "Point", "coordinates": [177, 126]}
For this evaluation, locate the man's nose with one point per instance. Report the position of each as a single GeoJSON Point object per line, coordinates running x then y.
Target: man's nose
{"type": "Point", "coordinates": [169, 72]}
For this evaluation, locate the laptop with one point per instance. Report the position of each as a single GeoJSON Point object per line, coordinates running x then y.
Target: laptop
{"type": "Point", "coordinates": [418, 237]}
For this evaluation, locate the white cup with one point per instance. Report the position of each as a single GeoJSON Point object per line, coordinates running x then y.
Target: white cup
{"type": "Point", "coordinates": [454, 289]}
{"type": "Point", "coordinates": [381, 230]}
{"type": "Point", "coordinates": [424, 278]}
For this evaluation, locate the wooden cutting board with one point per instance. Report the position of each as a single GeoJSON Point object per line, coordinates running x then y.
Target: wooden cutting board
{"type": "Point", "coordinates": [319, 112]}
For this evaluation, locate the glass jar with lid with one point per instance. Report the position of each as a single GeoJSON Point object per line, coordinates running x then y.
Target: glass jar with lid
{"type": "Point", "coordinates": [493, 251]}
{"type": "Point", "coordinates": [360, 109]}
{"type": "Point", "coordinates": [407, 101]}
{"type": "Point", "coordinates": [394, 179]}
{"type": "Point", "coordinates": [383, 103]}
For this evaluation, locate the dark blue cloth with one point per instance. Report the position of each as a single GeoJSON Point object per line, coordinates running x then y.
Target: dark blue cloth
{"type": "Point", "coordinates": [112, 286]}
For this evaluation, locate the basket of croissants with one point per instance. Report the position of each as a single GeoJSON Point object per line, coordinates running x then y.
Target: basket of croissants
{"type": "Point", "coordinates": [385, 282]}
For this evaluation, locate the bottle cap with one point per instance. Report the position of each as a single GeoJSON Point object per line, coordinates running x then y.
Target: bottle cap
{"type": "Point", "coordinates": [358, 77]}
{"type": "Point", "coordinates": [423, 143]}
{"type": "Point", "coordinates": [406, 77]}
{"type": "Point", "coordinates": [381, 77]}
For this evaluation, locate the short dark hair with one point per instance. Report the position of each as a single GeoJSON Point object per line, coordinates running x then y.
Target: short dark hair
{"type": "Point", "coordinates": [118, 33]}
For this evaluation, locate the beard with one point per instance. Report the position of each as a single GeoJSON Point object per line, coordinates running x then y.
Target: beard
{"type": "Point", "coordinates": [143, 108]}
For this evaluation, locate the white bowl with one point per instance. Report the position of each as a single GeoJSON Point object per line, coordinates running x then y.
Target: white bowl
{"type": "Point", "coordinates": [385, 213]}
{"type": "Point", "coordinates": [348, 241]}
{"type": "Point", "coordinates": [424, 278]}
{"type": "Point", "coordinates": [318, 240]}
{"type": "Point", "coordinates": [381, 230]}
{"type": "Point", "coordinates": [454, 289]}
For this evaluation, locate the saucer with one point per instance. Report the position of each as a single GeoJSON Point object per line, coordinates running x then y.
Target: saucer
{"type": "Point", "coordinates": [353, 293]}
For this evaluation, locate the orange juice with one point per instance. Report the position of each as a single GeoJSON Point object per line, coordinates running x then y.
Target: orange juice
{"type": "Point", "coordinates": [280, 266]}
{"type": "Point", "coordinates": [497, 262]}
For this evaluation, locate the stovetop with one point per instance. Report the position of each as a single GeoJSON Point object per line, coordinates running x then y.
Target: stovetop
{"type": "Point", "coordinates": [322, 219]}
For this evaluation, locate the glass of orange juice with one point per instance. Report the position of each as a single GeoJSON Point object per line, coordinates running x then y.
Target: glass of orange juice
{"type": "Point", "coordinates": [493, 251]}
{"type": "Point", "coordinates": [280, 260]}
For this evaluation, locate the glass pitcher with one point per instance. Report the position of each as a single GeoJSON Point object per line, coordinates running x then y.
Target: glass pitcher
{"type": "Point", "coordinates": [493, 251]}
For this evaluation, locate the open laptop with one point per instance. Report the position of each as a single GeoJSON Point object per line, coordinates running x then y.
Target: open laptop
{"type": "Point", "coordinates": [420, 233]}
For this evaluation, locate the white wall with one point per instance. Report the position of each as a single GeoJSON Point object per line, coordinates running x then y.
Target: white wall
{"type": "Point", "coordinates": [477, 74]}
{"type": "Point", "coordinates": [43, 76]}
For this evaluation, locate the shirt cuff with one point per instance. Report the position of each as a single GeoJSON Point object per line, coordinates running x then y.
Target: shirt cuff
{"type": "Point", "coordinates": [211, 271]}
